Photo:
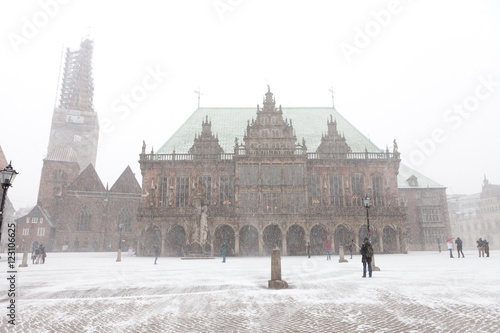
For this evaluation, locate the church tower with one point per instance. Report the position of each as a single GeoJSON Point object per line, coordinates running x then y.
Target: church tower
{"type": "Point", "coordinates": [74, 132]}
{"type": "Point", "coordinates": [75, 124]}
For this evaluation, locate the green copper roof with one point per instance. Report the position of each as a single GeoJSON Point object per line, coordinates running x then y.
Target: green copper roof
{"type": "Point", "coordinates": [228, 123]}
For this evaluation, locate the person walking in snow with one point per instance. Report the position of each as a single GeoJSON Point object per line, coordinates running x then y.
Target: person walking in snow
{"type": "Point", "coordinates": [480, 247]}
{"type": "Point", "coordinates": [38, 254]}
{"type": "Point", "coordinates": [33, 254]}
{"type": "Point", "coordinates": [350, 247]}
{"type": "Point", "coordinates": [450, 247]}
{"type": "Point", "coordinates": [157, 252]}
{"type": "Point", "coordinates": [223, 252]}
{"type": "Point", "coordinates": [486, 247]}
{"type": "Point", "coordinates": [42, 250]}
{"type": "Point", "coordinates": [458, 241]}
{"type": "Point", "coordinates": [366, 257]}
{"type": "Point", "coordinates": [308, 250]}
{"type": "Point", "coordinates": [328, 248]}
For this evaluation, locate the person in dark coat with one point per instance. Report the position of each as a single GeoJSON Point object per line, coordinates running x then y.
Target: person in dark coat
{"type": "Point", "coordinates": [486, 247]}
{"type": "Point", "coordinates": [350, 247]}
{"type": "Point", "coordinates": [366, 257]}
{"type": "Point", "coordinates": [480, 247]}
{"type": "Point", "coordinates": [157, 252]}
{"type": "Point", "coordinates": [223, 252]}
{"type": "Point", "coordinates": [308, 250]}
{"type": "Point", "coordinates": [42, 250]}
{"type": "Point", "coordinates": [33, 255]}
{"type": "Point", "coordinates": [458, 241]}
{"type": "Point", "coordinates": [38, 254]}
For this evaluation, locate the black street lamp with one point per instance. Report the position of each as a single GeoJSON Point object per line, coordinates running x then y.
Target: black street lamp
{"type": "Point", "coordinates": [7, 176]}
{"type": "Point", "coordinates": [366, 203]}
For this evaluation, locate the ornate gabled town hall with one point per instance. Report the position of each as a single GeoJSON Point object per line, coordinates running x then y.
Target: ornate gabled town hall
{"type": "Point", "coordinates": [282, 178]}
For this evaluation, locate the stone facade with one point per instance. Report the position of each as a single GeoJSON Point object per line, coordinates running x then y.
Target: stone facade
{"type": "Point", "coordinates": [269, 192]}
{"type": "Point", "coordinates": [428, 224]}
{"type": "Point", "coordinates": [477, 216]}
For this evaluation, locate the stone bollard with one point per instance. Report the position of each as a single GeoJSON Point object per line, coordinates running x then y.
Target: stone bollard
{"type": "Point", "coordinates": [341, 254]}
{"type": "Point", "coordinates": [119, 256]}
{"type": "Point", "coordinates": [374, 268]}
{"type": "Point", "coordinates": [25, 259]}
{"type": "Point", "coordinates": [276, 282]}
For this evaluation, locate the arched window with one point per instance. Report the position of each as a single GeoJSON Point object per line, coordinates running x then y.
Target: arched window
{"type": "Point", "coordinates": [125, 219]}
{"type": "Point", "coordinates": [83, 219]}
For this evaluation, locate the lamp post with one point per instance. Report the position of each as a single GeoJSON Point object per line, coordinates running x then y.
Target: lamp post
{"type": "Point", "coordinates": [119, 255]}
{"type": "Point", "coordinates": [7, 176]}
{"type": "Point", "coordinates": [366, 203]}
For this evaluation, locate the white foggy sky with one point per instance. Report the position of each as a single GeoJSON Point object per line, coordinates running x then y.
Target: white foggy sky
{"type": "Point", "coordinates": [400, 85]}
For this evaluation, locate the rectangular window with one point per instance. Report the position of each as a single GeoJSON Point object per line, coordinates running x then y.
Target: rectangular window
{"type": "Point", "coordinates": [314, 190]}
{"type": "Point", "coordinates": [41, 219]}
{"type": "Point", "coordinates": [26, 231]}
{"type": "Point", "coordinates": [266, 175]}
{"type": "Point", "coordinates": [378, 191]}
{"type": "Point", "coordinates": [41, 231]}
{"type": "Point", "coordinates": [294, 203]}
{"type": "Point", "coordinates": [430, 214]}
{"type": "Point", "coordinates": [249, 202]}
{"type": "Point", "coordinates": [293, 174]}
{"type": "Point", "coordinates": [163, 192]}
{"type": "Point", "coordinates": [27, 220]}
{"type": "Point", "coordinates": [248, 174]}
{"type": "Point", "coordinates": [226, 191]}
{"type": "Point", "coordinates": [297, 174]}
{"type": "Point", "coordinates": [34, 220]}
{"type": "Point", "coordinates": [271, 202]}
{"type": "Point", "coordinates": [431, 235]}
{"type": "Point", "coordinates": [358, 190]}
{"type": "Point", "coordinates": [276, 174]}
{"type": "Point", "coordinates": [206, 186]}
{"type": "Point", "coordinates": [336, 191]}
{"type": "Point", "coordinates": [182, 191]}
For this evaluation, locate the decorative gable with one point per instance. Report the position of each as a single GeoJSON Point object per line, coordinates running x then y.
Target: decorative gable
{"type": "Point", "coordinates": [269, 131]}
{"type": "Point", "coordinates": [206, 143]}
{"type": "Point", "coordinates": [333, 143]}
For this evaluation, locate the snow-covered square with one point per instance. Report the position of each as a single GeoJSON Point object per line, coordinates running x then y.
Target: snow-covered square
{"type": "Point", "coordinates": [415, 292]}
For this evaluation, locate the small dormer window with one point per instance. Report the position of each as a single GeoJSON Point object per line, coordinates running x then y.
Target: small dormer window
{"type": "Point", "coordinates": [412, 181]}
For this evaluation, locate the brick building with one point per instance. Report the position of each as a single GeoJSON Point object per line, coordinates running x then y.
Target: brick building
{"type": "Point", "coordinates": [247, 180]}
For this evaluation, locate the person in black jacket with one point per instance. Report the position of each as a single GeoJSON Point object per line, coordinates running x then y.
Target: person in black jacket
{"type": "Point", "coordinates": [366, 257]}
{"type": "Point", "coordinates": [458, 241]}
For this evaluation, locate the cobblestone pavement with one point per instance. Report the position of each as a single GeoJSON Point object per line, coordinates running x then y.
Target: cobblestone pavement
{"type": "Point", "coordinates": [324, 297]}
